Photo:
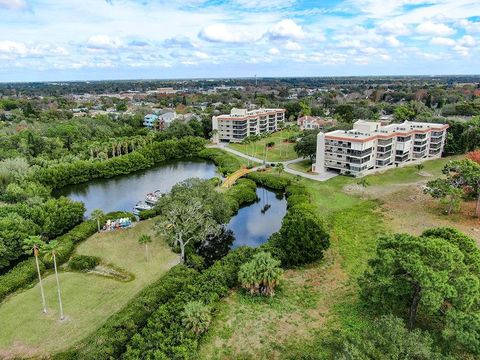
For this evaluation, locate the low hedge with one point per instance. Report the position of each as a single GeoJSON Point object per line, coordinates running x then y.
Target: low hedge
{"type": "Point", "coordinates": [83, 262]}
{"type": "Point", "coordinates": [119, 214]}
{"type": "Point", "coordinates": [226, 163]}
{"type": "Point", "coordinates": [19, 277]}
{"type": "Point", "coordinates": [269, 180]}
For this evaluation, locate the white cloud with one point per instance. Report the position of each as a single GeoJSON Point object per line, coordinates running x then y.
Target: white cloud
{"type": "Point", "coordinates": [292, 46]}
{"type": "Point", "coordinates": [467, 40]}
{"type": "Point", "coordinates": [470, 26]}
{"type": "Point", "coordinates": [261, 4]}
{"type": "Point", "coordinates": [103, 42]}
{"type": "Point", "coordinates": [13, 4]}
{"type": "Point", "coordinates": [392, 41]}
{"type": "Point", "coordinates": [274, 51]}
{"type": "Point", "coordinates": [226, 34]}
{"type": "Point", "coordinates": [286, 29]}
{"type": "Point", "coordinates": [431, 28]}
{"type": "Point", "coordinates": [13, 48]}
{"type": "Point", "coordinates": [395, 28]}
{"type": "Point", "coordinates": [201, 55]}
{"type": "Point", "coordinates": [462, 50]}
{"type": "Point", "coordinates": [442, 41]}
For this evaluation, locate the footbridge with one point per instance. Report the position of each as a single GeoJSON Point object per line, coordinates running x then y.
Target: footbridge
{"type": "Point", "coordinates": [229, 181]}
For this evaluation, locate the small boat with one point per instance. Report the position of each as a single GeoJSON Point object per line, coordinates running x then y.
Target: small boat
{"type": "Point", "coordinates": [140, 206]}
{"type": "Point", "coordinates": [265, 208]}
{"type": "Point", "coordinates": [151, 199]}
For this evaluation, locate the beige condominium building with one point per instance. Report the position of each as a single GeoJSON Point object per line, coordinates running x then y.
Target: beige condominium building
{"type": "Point", "coordinates": [371, 147]}
{"type": "Point", "coordinates": [242, 123]}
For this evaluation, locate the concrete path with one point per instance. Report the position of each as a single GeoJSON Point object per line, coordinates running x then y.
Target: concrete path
{"type": "Point", "coordinates": [317, 177]}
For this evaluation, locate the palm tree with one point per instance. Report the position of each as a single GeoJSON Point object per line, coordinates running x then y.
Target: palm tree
{"type": "Point", "coordinates": [97, 214]}
{"type": "Point", "coordinates": [51, 250]}
{"type": "Point", "coordinates": [145, 240]}
{"type": "Point", "coordinates": [279, 168]}
{"type": "Point", "coordinates": [419, 168]}
{"type": "Point", "coordinates": [33, 243]}
{"type": "Point", "coordinates": [363, 183]}
{"type": "Point", "coordinates": [196, 317]}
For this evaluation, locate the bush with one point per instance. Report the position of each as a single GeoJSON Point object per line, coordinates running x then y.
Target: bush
{"type": "Point", "coordinates": [244, 192]}
{"type": "Point", "coordinates": [269, 180]}
{"type": "Point", "coordinates": [261, 275]}
{"type": "Point", "coordinates": [83, 262]}
{"type": "Point", "coordinates": [147, 214]}
{"type": "Point", "coordinates": [226, 163]}
{"type": "Point", "coordinates": [302, 238]}
{"type": "Point", "coordinates": [119, 214]}
{"type": "Point", "coordinates": [19, 277]}
{"type": "Point", "coordinates": [294, 200]}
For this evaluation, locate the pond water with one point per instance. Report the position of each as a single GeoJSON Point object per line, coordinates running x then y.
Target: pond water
{"type": "Point", "coordinates": [251, 225]}
{"type": "Point", "coordinates": [124, 191]}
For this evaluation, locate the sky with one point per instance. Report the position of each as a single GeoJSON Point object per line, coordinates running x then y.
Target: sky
{"type": "Point", "coordinates": [54, 40]}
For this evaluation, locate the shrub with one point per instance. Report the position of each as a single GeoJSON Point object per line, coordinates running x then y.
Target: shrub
{"type": "Point", "coordinates": [226, 163]}
{"type": "Point", "coordinates": [83, 262]}
{"type": "Point", "coordinates": [294, 200]}
{"type": "Point", "coordinates": [302, 238]}
{"type": "Point", "coordinates": [147, 214]}
{"type": "Point", "coordinates": [19, 277]}
{"type": "Point", "coordinates": [196, 317]}
{"type": "Point", "coordinates": [269, 180]}
{"type": "Point", "coordinates": [261, 275]}
{"type": "Point", "coordinates": [119, 214]}
{"type": "Point", "coordinates": [244, 192]}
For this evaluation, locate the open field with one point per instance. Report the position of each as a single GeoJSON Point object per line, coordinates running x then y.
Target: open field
{"type": "Point", "coordinates": [281, 151]}
{"type": "Point", "coordinates": [315, 300]}
{"type": "Point", "coordinates": [88, 299]}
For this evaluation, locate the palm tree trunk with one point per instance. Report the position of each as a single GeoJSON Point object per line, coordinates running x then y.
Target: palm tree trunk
{"type": "Point", "coordinates": [98, 224]}
{"type": "Point", "coordinates": [146, 250]}
{"type": "Point", "coordinates": [58, 287]}
{"type": "Point", "coordinates": [44, 304]}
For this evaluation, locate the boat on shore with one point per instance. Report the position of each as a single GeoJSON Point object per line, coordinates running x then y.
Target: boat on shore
{"type": "Point", "coordinates": [141, 206]}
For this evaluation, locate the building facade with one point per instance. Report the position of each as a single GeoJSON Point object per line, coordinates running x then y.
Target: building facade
{"type": "Point", "coordinates": [370, 147]}
{"type": "Point", "coordinates": [242, 123]}
{"type": "Point", "coordinates": [162, 121]}
{"type": "Point", "coordinates": [315, 123]}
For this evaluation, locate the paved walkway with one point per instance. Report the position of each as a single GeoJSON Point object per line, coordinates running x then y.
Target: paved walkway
{"type": "Point", "coordinates": [317, 177]}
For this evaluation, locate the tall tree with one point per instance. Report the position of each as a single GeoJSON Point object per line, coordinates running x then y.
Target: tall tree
{"type": "Point", "coordinates": [261, 275]}
{"type": "Point", "coordinates": [436, 274]}
{"type": "Point", "coordinates": [34, 243]}
{"type": "Point", "coordinates": [51, 250]}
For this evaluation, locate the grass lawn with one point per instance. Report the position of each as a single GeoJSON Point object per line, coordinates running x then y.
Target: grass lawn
{"type": "Point", "coordinates": [281, 151]}
{"type": "Point", "coordinates": [88, 299]}
{"type": "Point", "coordinates": [315, 300]}
{"type": "Point", "coordinates": [303, 166]}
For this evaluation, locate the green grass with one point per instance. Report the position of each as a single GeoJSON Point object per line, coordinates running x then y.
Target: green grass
{"type": "Point", "coordinates": [316, 300]}
{"type": "Point", "coordinates": [88, 299]}
{"type": "Point", "coordinates": [303, 166]}
{"type": "Point", "coordinates": [281, 151]}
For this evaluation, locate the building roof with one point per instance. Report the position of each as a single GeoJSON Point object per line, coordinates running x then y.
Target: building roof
{"type": "Point", "coordinates": [370, 130]}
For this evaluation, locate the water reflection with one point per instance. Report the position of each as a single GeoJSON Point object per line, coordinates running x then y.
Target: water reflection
{"type": "Point", "coordinates": [253, 225]}
{"type": "Point", "coordinates": [123, 192]}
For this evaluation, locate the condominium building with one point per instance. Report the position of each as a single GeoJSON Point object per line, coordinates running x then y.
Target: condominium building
{"type": "Point", "coordinates": [370, 147]}
{"type": "Point", "coordinates": [242, 123]}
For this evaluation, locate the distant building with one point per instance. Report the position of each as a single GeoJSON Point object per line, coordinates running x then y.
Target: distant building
{"type": "Point", "coordinates": [370, 146]}
{"type": "Point", "coordinates": [242, 123]}
{"type": "Point", "coordinates": [166, 90]}
{"type": "Point", "coordinates": [315, 122]}
{"type": "Point", "coordinates": [163, 120]}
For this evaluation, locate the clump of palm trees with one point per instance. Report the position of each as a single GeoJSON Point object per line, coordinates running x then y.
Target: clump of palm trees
{"type": "Point", "coordinates": [50, 251]}
{"type": "Point", "coordinates": [145, 240]}
{"type": "Point", "coordinates": [261, 275]}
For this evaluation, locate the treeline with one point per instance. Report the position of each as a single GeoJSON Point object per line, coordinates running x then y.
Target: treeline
{"type": "Point", "coordinates": [57, 176]}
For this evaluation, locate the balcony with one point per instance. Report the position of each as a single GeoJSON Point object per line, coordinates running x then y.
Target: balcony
{"type": "Point", "coordinates": [359, 153]}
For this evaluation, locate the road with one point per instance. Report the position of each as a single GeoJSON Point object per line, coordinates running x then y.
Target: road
{"type": "Point", "coordinates": [317, 177]}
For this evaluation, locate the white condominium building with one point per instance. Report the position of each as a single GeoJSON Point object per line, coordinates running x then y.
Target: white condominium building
{"type": "Point", "coordinates": [242, 123]}
{"type": "Point", "coordinates": [370, 147]}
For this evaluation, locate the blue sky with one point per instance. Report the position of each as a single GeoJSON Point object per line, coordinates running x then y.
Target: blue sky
{"type": "Point", "coordinates": [125, 39]}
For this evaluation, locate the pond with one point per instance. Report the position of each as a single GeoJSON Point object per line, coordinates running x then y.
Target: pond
{"type": "Point", "coordinates": [251, 225]}
{"type": "Point", "coordinates": [124, 191]}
